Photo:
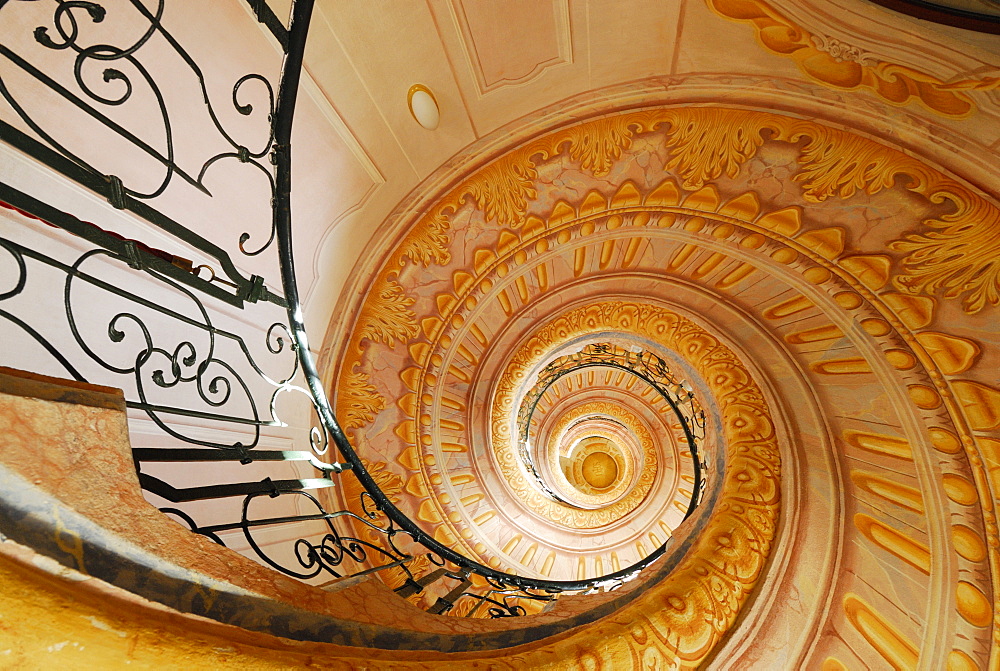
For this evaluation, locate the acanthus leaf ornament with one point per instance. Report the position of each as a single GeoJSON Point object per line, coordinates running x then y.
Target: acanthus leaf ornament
{"type": "Point", "coordinates": [708, 142]}
{"type": "Point", "coordinates": [597, 145]}
{"type": "Point", "coordinates": [960, 255]}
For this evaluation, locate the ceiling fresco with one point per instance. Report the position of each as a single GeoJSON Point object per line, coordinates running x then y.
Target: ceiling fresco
{"type": "Point", "coordinates": [732, 253]}
{"type": "Point", "coordinates": [838, 64]}
{"type": "Point", "coordinates": [786, 232]}
{"type": "Point", "coordinates": [494, 66]}
{"type": "Point", "coordinates": [827, 299]}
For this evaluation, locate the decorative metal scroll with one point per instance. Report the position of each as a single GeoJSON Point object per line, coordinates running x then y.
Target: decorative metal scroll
{"type": "Point", "coordinates": [140, 316]}
{"type": "Point", "coordinates": [164, 349]}
{"type": "Point", "coordinates": [168, 338]}
{"type": "Point", "coordinates": [123, 72]}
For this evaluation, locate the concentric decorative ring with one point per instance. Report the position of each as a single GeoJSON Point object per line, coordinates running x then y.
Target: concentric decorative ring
{"type": "Point", "coordinates": [571, 427]}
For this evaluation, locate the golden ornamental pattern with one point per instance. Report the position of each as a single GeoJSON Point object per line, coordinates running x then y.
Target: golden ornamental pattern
{"type": "Point", "coordinates": [599, 144]}
{"type": "Point", "coordinates": [357, 401]}
{"type": "Point", "coordinates": [502, 189]}
{"type": "Point", "coordinates": [647, 468]}
{"type": "Point", "coordinates": [428, 242]}
{"type": "Point", "coordinates": [509, 462]}
{"type": "Point", "coordinates": [959, 255]}
{"type": "Point", "coordinates": [840, 164]}
{"type": "Point", "coordinates": [951, 244]}
{"type": "Point", "coordinates": [388, 319]}
{"type": "Point", "coordinates": [708, 142]}
{"type": "Point", "coordinates": [892, 82]}
{"type": "Point", "coordinates": [689, 611]}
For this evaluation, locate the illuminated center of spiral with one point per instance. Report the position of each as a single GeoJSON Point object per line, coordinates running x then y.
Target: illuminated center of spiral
{"type": "Point", "coordinates": [600, 470]}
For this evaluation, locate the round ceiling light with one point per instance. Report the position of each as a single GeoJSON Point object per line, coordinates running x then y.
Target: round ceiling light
{"type": "Point", "coordinates": [423, 106]}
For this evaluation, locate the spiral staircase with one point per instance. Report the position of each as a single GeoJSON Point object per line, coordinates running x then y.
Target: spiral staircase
{"type": "Point", "coordinates": [684, 369]}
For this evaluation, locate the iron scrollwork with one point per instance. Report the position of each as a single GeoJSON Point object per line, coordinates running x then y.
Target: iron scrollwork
{"type": "Point", "coordinates": [167, 339]}
{"type": "Point", "coordinates": [648, 367]}
{"type": "Point", "coordinates": [103, 99]}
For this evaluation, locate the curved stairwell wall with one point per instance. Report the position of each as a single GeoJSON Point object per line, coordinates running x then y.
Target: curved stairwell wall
{"type": "Point", "coordinates": [802, 228]}
{"type": "Point", "coordinates": [803, 264]}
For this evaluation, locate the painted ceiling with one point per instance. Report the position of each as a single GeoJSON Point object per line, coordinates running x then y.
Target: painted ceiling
{"type": "Point", "coordinates": [495, 67]}
{"type": "Point", "coordinates": [810, 257]}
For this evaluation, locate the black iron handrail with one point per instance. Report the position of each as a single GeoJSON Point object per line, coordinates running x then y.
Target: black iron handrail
{"type": "Point", "coordinates": [185, 365]}
{"type": "Point", "coordinates": [298, 29]}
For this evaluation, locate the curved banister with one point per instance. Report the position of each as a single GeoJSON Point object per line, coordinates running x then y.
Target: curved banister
{"type": "Point", "coordinates": [282, 124]}
{"type": "Point", "coordinates": [186, 367]}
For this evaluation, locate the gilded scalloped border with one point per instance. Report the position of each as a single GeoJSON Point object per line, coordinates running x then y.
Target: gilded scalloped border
{"type": "Point", "coordinates": [646, 470]}
{"type": "Point", "coordinates": [959, 256]}
{"type": "Point", "coordinates": [524, 359]}
{"type": "Point", "coordinates": [684, 616]}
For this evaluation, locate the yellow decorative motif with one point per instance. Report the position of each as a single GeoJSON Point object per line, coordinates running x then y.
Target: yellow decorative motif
{"type": "Point", "coordinates": [749, 436]}
{"type": "Point", "coordinates": [973, 605]}
{"type": "Point", "coordinates": [893, 541]}
{"type": "Point", "coordinates": [428, 242]}
{"type": "Point", "coordinates": [890, 490]}
{"type": "Point", "coordinates": [708, 142]}
{"type": "Point", "coordinates": [980, 402]}
{"type": "Point", "coordinates": [647, 467]}
{"type": "Point", "coordinates": [952, 354]}
{"type": "Point", "coordinates": [598, 144]}
{"type": "Point", "coordinates": [894, 83]}
{"type": "Point", "coordinates": [502, 189]}
{"type": "Point", "coordinates": [880, 633]}
{"type": "Point", "coordinates": [838, 163]}
{"type": "Point", "coordinates": [357, 401]}
{"type": "Point", "coordinates": [961, 254]}
{"type": "Point", "coordinates": [388, 318]}
{"type": "Point", "coordinates": [954, 256]}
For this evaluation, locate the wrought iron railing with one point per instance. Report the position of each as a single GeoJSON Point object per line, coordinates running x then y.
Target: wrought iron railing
{"type": "Point", "coordinates": [171, 338]}
{"type": "Point", "coordinates": [648, 367]}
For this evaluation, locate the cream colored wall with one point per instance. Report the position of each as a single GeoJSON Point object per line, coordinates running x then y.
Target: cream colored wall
{"type": "Point", "coordinates": [239, 203]}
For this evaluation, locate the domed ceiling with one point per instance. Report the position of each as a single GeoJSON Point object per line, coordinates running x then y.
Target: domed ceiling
{"type": "Point", "coordinates": [593, 319]}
